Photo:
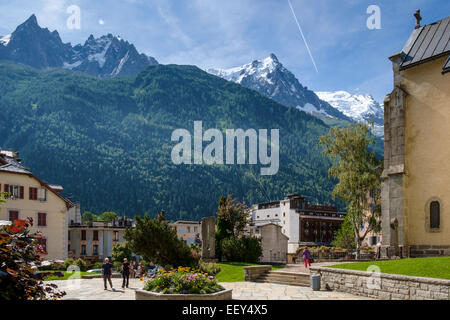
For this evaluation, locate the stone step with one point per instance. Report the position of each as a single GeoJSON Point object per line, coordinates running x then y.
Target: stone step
{"type": "Point", "coordinates": [288, 283]}
{"type": "Point", "coordinates": [287, 278]}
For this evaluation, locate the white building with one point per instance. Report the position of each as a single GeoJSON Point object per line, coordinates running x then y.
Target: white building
{"type": "Point", "coordinates": [300, 221]}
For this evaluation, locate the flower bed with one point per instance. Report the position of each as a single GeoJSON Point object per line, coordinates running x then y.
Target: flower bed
{"type": "Point", "coordinates": [182, 281]}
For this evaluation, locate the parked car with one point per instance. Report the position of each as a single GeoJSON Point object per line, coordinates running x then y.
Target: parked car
{"type": "Point", "coordinates": [95, 271]}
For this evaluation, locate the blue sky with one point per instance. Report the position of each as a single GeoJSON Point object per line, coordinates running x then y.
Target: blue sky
{"type": "Point", "coordinates": [224, 34]}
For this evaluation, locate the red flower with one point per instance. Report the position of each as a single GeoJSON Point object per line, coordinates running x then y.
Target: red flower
{"type": "Point", "coordinates": [15, 230]}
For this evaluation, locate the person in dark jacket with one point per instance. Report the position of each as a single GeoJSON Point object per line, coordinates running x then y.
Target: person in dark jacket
{"type": "Point", "coordinates": [125, 273]}
{"type": "Point", "coordinates": [306, 257]}
{"type": "Point", "coordinates": [107, 272]}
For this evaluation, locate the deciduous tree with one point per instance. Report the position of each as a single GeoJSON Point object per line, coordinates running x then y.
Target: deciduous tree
{"type": "Point", "coordinates": [358, 173]}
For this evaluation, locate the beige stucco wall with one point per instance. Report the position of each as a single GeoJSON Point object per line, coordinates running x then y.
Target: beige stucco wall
{"type": "Point", "coordinates": [427, 151]}
{"type": "Point", "coordinates": [273, 241]}
{"type": "Point", "coordinates": [56, 230]}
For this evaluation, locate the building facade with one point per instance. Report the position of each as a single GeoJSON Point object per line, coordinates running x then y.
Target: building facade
{"type": "Point", "coordinates": [31, 197]}
{"type": "Point", "coordinates": [94, 242]}
{"type": "Point", "coordinates": [189, 231]}
{"type": "Point", "coordinates": [302, 222]}
{"type": "Point", "coordinates": [415, 181]}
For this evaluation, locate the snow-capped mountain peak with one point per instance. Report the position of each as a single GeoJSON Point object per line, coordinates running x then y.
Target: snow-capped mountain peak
{"type": "Point", "coordinates": [270, 78]}
{"type": "Point", "coordinates": [359, 107]}
{"type": "Point", "coordinates": [5, 40]}
{"type": "Point", "coordinates": [107, 56]}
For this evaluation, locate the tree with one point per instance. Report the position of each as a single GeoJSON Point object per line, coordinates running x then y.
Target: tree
{"type": "Point", "coordinates": [108, 216]}
{"type": "Point", "coordinates": [19, 259]}
{"type": "Point", "coordinates": [121, 251]}
{"type": "Point", "coordinates": [232, 217]}
{"type": "Point", "coordinates": [88, 217]}
{"type": "Point", "coordinates": [156, 241]}
{"type": "Point", "coordinates": [344, 237]}
{"type": "Point", "coordinates": [358, 173]}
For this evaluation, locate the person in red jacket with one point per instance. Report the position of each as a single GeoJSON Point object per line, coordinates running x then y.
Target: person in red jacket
{"type": "Point", "coordinates": [306, 257]}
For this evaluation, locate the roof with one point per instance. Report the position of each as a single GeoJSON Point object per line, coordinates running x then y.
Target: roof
{"type": "Point", "coordinates": [11, 165]}
{"type": "Point", "coordinates": [427, 43]}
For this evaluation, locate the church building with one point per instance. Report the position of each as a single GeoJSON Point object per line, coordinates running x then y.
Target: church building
{"type": "Point", "coordinates": [416, 177]}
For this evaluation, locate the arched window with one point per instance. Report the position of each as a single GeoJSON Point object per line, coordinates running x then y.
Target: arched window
{"type": "Point", "coordinates": [435, 215]}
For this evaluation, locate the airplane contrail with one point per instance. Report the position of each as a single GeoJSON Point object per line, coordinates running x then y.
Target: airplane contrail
{"type": "Point", "coordinates": [303, 36]}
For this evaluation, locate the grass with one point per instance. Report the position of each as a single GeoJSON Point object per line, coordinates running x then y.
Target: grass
{"type": "Point", "coordinates": [418, 267]}
{"type": "Point", "coordinates": [234, 271]}
{"type": "Point", "coordinates": [66, 275]}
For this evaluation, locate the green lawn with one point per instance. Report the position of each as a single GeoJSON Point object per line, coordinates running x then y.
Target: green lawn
{"type": "Point", "coordinates": [66, 275]}
{"type": "Point", "coordinates": [418, 267]}
{"type": "Point", "coordinates": [234, 271]}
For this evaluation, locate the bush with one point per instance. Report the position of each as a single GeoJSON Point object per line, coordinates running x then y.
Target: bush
{"type": "Point", "coordinates": [211, 269]}
{"type": "Point", "coordinates": [80, 263]}
{"type": "Point", "coordinates": [19, 261]}
{"type": "Point", "coordinates": [68, 262]}
{"type": "Point", "coordinates": [244, 249]}
{"type": "Point", "coordinates": [97, 265]}
{"type": "Point", "coordinates": [182, 281]}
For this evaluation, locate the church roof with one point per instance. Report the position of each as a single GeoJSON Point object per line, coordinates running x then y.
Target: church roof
{"type": "Point", "coordinates": [427, 43]}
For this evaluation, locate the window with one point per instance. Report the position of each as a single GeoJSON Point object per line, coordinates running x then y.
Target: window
{"type": "Point", "coordinates": [33, 193]}
{"type": "Point", "coordinates": [188, 229]}
{"type": "Point", "coordinates": [43, 194]}
{"type": "Point", "coordinates": [83, 234]}
{"type": "Point", "coordinates": [42, 219]}
{"type": "Point", "coordinates": [83, 250]}
{"type": "Point", "coordinates": [284, 214]}
{"type": "Point", "coordinates": [435, 215]}
{"type": "Point", "coordinates": [95, 235]}
{"type": "Point", "coordinates": [16, 192]}
{"type": "Point", "coordinates": [95, 250]}
{"type": "Point", "coordinates": [116, 236]}
{"type": "Point", "coordinates": [68, 235]}
{"type": "Point", "coordinates": [13, 216]}
{"type": "Point", "coordinates": [195, 229]}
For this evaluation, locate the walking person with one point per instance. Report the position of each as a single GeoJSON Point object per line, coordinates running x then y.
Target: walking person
{"type": "Point", "coordinates": [125, 273]}
{"type": "Point", "coordinates": [107, 272]}
{"type": "Point", "coordinates": [379, 250]}
{"type": "Point", "coordinates": [306, 257]}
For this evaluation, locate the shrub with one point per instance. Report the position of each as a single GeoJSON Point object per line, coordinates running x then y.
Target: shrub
{"type": "Point", "coordinates": [97, 265]}
{"type": "Point", "coordinates": [80, 263]}
{"type": "Point", "coordinates": [182, 281]}
{"type": "Point", "coordinates": [211, 269]}
{"type": "Point", "coordinates": [244, 249]}
{"type": "Point", "coordinates": [68, 262]}
{"type": "Point", "coordinates": [19, 260]}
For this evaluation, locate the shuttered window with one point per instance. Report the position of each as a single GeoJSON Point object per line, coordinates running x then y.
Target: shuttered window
{"type": "Point", "coordinates": [435, 215]}
{"type": "Point", "coordinates": [13, 216]}
{"type": "Point", "coordinates": [42, 219]}
{"type": "Point", "coordinates": [33, 193]}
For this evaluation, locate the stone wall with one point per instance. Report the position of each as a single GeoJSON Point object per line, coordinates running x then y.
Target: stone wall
{"type": "Point", "coordinates": [254, 272]}
{"type": "Point", "coordinates": [383, 286]}
{"type": "Point", "coordinates": [429, 251]}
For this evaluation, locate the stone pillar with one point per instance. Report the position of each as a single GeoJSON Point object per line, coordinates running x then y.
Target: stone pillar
{"type": "Point", "coordinates": [394, 166]}
{"type": "Point", "coordinates": [208, 238]}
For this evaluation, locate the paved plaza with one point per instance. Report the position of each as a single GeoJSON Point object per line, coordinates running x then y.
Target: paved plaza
{"type": "Point", "coordinates": [92, 289]}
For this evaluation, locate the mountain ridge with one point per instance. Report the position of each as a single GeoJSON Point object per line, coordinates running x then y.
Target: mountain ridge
{"type": "Point", "coordinates": [104, 57]}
